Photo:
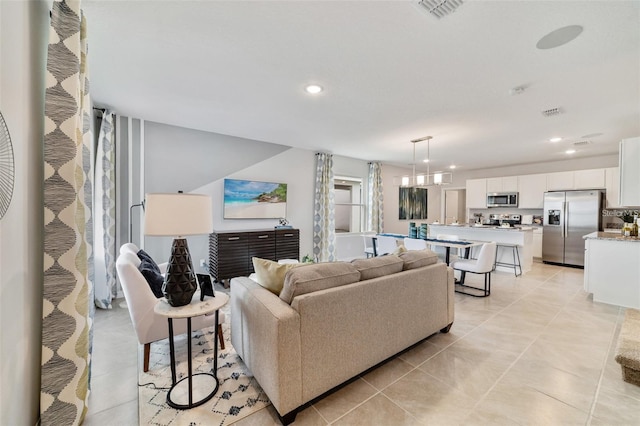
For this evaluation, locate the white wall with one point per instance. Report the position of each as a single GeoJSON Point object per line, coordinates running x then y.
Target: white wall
{"type": "Point", "coordinates": [23, 42]}
{"type": "Point", "coordinates": [296, 168]}
{"type": "Point", "coordinates": [391, 202]}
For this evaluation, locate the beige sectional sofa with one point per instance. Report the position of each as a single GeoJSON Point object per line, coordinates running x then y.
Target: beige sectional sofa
{"type": "Point", "coordinates": [332, 321]}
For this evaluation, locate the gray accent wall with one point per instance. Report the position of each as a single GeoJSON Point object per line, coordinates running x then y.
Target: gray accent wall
{"type": "Point", "coordinates": [177, 158]}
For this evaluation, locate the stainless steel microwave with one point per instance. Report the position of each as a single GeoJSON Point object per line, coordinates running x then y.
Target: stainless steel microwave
{"type": "Point", "coordinates": [502, 199]}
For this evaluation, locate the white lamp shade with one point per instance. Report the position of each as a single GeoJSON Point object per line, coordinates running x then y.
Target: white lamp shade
{"type": "Point", "coordinates": [177, 214]}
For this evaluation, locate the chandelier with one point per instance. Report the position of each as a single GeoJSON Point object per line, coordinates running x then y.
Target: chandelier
{"type": "Point", "coordinates": [422, 180]}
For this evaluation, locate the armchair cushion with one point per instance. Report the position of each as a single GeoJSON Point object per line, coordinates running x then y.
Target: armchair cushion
{"type": "Point", "coordinates": [154, 278]}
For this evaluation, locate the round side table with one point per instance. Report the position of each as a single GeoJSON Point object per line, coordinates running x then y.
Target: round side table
{"type": "Point", "coordinates": [196, 308]}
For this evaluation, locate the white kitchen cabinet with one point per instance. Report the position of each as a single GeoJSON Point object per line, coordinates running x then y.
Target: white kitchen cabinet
{"type": "Point", "coordinates": [612, 186]}
{"type": "Point", "coordinates": [531, 189]}
{"type": "Point", "coordinates": [560, 181]}
{"type": "Point", "coordinates": [502, 184]}
{"type": "Point", "coordinates": [537, 242]}
{"type": "Point", "coordinates": [476, 193]}
{"type": "Point", "coordinates": [630, 172]}
{"type": "Point", "coordinates": [589, 179]}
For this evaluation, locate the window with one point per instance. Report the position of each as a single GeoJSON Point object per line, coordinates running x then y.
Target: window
{"type": "Point", "coordinates": [350, 210]}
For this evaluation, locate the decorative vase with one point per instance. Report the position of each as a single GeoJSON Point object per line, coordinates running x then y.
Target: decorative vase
{"type": "Point", "coordinates": [180, 283]}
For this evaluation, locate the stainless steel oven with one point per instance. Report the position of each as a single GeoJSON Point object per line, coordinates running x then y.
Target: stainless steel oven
{"type": "Point", "coordinates": [502, 199]}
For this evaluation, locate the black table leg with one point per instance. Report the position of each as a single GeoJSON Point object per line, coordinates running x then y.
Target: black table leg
{"type": "Point", "coordinates": [189, 361]}
{"type": "Point", "coordinates": [172, 352]}
{"type": "Point", "coordinates": [447, 251]}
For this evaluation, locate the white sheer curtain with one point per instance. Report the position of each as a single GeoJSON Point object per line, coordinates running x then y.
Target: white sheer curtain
{"type": "Point", "coordinates": [105, 213]}
{"type": "Point", "coordinates": [375, 214]}
{"type": "Point", "coordinates": [324, 221]}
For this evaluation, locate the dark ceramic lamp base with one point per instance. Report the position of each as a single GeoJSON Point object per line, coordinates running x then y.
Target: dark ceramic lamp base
{"type": "Point", "coordinates": [180, 283]}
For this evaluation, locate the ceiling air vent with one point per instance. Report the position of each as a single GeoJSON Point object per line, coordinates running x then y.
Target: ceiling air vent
{"type": "Point", "coordinates": [581, 143]}
{"type": "Point", "coordinates": [440, 8]}
{"type": "Point", "coordinates": [551, 112]}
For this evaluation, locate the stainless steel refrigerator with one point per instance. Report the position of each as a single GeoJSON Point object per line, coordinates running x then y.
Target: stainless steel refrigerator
{"type": "Point", "coordinates": [568, 216]}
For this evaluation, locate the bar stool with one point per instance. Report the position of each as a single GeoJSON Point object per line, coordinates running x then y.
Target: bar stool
{"type": "Point", "coordinates": [516, 258]}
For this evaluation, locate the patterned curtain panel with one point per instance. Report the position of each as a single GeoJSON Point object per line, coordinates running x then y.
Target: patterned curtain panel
{"type": "Point", "coordinates": [65, 316]}
{"type": "Point", "coordinates": [105, 213]}
{"type": "Point", "coordinates": [324, 215]}
{"type": "Point", "coordinates": [375, 216]}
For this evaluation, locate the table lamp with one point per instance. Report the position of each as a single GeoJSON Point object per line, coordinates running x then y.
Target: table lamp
{"type": "Point", "coordinates": [177, 215]}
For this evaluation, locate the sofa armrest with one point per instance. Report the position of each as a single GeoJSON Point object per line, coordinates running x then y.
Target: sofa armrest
{"type": "Point", "coordinates": [265, 331]}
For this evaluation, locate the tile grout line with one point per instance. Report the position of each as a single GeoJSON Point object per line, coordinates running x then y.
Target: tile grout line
{"type": "Point", "coordinates": [604, 366]}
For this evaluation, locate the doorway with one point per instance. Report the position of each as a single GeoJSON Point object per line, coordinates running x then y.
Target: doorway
{"type": "Point", "coordinates": [454, 206]}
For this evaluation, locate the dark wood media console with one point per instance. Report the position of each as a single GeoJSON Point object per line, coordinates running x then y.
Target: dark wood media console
{"type": "Point", "coordinates": [230, 252]}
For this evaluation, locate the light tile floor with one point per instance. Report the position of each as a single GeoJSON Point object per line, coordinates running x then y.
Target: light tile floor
{"type": "Point", "coordinates": [538, 351]}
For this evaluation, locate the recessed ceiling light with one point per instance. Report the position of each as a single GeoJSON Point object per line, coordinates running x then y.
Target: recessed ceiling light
{"type": "Point", "coordinates": [313, 89]}
{"type": "Point", "coordinates": [453, 166]}
{"type": "Point", "coordinates": [559, 37]}
{"type": "Point", "coordinates": [426, 160]}
{"type": "Point", "coordinates": [556, 139]}
{"type": "Point", "coordinates": [570, 151]}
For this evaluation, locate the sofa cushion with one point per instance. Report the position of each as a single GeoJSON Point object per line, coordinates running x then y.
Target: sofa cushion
{"type": "Point", "coordinates": [154, 277]}
{"type": "Point", "coordinates": [308, 278]}
{"type": "Point", "coordinates": [378, 266]}
{"type": "Point", "coordinates": [270, 274]}
{"type": "Point", "coordinates": [418, 258]}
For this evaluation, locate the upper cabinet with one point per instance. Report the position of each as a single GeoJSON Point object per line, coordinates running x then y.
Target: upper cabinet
{"type": "Point", "coordinates": [559, 181]}
{"type": "Point", "coordinates": [476, 193]}
{"type": "Point", "coordinates": [589, 179]}
{"type": "Point", "coordinates": [612, 183]}
{"type": "Point", "coordinates": [502, 184]}
{"type": "Point", "coordinates": [579, 179]}
{"type": "Point", "coordinates": [531, 190]}
{"type": "Point", "coordinates": [630, 172]}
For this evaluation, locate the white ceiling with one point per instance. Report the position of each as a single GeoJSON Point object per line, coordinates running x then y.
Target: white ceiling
{"type": "Point", "coordinates": [391, 73]}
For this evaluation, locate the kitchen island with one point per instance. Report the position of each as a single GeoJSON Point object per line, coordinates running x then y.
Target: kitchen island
{"type": "Point", "coordinates": [612, 269]}
{"type": "Point", "coordinates": [519, 236]}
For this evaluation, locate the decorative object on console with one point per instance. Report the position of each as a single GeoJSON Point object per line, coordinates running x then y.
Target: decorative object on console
{"type": "Point", "coordinates": [283, 224]}
{"type": "Point", "coordinates": [178, 215]}
{"type": "Point", "coordinates": [245, 199]}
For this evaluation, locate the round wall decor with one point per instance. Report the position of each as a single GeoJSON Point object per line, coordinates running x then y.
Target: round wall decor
{"type": "Point", "coordinates": [7, 167]}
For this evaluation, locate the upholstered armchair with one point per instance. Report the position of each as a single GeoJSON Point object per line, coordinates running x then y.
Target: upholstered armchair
{"type": "Point", "coordinates": [149, 326]}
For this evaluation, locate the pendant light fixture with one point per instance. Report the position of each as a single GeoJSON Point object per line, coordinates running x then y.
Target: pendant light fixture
{"type": "Point", "coordinates": [424, 180]}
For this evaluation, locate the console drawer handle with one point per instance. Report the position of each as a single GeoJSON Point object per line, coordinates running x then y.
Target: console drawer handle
{"type": "Point", "coordinates": [288, 235]}
{"type": "Point", "coordinates": [233, 238]}
{"type": "Point", "coordinates": [263, 236]}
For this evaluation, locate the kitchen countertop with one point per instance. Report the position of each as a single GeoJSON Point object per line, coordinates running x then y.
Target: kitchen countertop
{"type": "Point", "coordinates": [611, 236]}
{"type": "Point", "coordinates": [516, 228]}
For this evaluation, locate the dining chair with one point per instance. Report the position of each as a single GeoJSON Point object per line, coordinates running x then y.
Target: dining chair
{"type": "Point", "coordinates": [369, 248]}
{"type": "Point", "coordinates": [415, 244]}
{"type": "Point", "coordinates": [482, 265]}
{"type": "Point", "coordinates": [386, 244]}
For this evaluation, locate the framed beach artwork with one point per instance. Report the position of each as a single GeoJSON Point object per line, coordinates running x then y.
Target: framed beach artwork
{"type": "Point", "coordinates": [248, 199]}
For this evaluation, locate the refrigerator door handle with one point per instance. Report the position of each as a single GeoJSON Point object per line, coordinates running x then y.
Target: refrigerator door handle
{"type": "Point", "coordinates": [565, 219]}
